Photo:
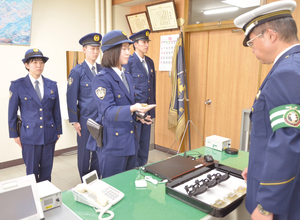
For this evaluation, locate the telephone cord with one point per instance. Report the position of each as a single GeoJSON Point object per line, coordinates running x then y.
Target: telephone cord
{"type": "Point", "coordinates": [105, 210]}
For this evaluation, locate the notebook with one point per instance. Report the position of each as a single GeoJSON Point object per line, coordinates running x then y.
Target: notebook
{"type": "Point", "coordinates": [173, 167]}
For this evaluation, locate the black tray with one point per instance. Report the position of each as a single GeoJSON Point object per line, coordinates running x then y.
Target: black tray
{"type": "Point", "coordinates": [207, 208]}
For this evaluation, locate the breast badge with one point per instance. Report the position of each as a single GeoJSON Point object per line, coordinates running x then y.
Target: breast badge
{"type": "Point", "coordinates": [100, 92]}
{"type": "Point", "coordinates": [70, 81]}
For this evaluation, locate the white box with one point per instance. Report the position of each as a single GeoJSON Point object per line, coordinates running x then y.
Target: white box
{"type": "Point", "coordinates": [50, 195]}
{"type": "Point", "coordinates": [218, 143]}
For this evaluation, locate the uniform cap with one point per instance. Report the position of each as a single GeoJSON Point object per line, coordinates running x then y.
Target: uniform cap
{"type": "Point", "coordinates": [114, 38]}
{"type": "Point", "coordinates": [92, 39]}
{"type": "Point", "coordinates": [34, 53]}
{"type": "Point", "coordinates": [141, 35]}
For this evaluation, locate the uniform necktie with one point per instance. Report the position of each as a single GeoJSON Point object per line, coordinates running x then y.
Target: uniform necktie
{"type": "Point", "coordinates": [145, 66]}
{"type": "Point", "coordinates": [93, 70]}
{"type": "Point", "coordinates": [37, 89]}
{"type": "Point", "coordinates": [125, 81]}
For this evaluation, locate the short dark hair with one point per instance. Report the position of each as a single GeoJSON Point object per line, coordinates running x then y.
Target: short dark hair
{"type": "Point", "coordinates": [33, 59]}
{"type": "Point", "coordinates": [285, 27]}
{"type": "Point", "coordinates": [111, 56]}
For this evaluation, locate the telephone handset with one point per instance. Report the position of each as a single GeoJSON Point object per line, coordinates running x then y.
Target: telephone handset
{"type": "Point", "coordinates": [101, 199]}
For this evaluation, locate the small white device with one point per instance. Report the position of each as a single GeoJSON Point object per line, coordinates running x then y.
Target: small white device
{"type": "Point", "coordinates": [97, 193]}
{"type": "Point", "coordinates": [19, 199]}
{"type": "Point", "coordinates": [50, 195]}
{"type": "Point", "coordinates": [217, 142]}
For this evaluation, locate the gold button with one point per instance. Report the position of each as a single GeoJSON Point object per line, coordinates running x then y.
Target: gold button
{"type": "Point", "coordinates": [131, 132]}
{"type": "Point", "coordinates": [138, 75]}
{"type": "Point", "coordinates": [148, 89]}
{"type": "Point", "coordinates": [41, 109]}
{"type": "Point", "coordinates": [52, 97]}
{"type": "Point", "coordinates": [134, 87]}
{"type": "Point", "coordinates": [131, 121]}
{"type": "Point", "coordinates": [41, 126]}
{"type": "Point", "coordinates": [117, 133]}
{"type": "Point", "coordinates": [27, 126]}
{"type": "Point", "coordinates": [41, 118]}
{"type": "Point", "coordinates": [87, 84]}
{"type": "Point", "coordinates": [252, 109]}
{"type": "Point", "coordinates": [135, 94]}
{"type": "Point", "coordinates": [148, 81]}
{"type": "Point", "coordinates": [149, 97]}
{"type": "Point", "coordinates": [119, 96]}
{"type": "Point", "coordinates": [52, 126]}
{"type": "Point", "coordinates": [25, 98]}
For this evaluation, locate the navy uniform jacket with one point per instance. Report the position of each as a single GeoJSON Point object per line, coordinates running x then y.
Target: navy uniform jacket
{"type": "Point", "coordinates": [274, 164]}
{"type": "Point", "coordinates": [144, 85]}
{"type": "Point", "coordinates": [113, 103]}
{"type": "Point", "coordinates": [79, 94]}
{"type": "Point", "coordinates": [41, 120]}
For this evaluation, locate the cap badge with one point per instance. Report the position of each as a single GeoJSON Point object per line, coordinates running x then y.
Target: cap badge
{"type": "Point", "coordinates": [100, 92]}
{"type": "Point", "coordinates": [124, 33]}
{"type": "Point", "coordinates": [96, 38]}
{"type": "Point", "coordinates": [70, 81]}
{"type": "Point", "coordinates": [147, 33]}
{"type": "Point", "coordinates": [35, 50]}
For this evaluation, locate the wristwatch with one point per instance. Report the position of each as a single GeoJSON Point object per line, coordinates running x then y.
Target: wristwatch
{"type": "Point", "coordinates": [262, 211]}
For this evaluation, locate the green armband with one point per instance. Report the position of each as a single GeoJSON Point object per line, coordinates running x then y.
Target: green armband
{"type": "Point", "coordinates": [285, 116]}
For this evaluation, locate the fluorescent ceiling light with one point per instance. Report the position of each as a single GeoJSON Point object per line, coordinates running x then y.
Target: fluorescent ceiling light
{"type": "Point", "coordinates": [220, 10]}
{"type": "Point", "coordinates": [243, 3]}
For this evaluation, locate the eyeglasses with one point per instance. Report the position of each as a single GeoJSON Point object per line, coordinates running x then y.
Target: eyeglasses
{"type": "Point", "coordinates": [250, 42]}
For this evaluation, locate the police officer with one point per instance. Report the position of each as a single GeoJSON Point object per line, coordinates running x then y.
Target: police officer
{"type": "Point", "coordinates": [142, 71]}
{"type": "Point", "coordinates": [38, 101]}
{"type": "Point", "coordinates": [273, 175]}
{"type": "Point", "coordinates": [80, 101]}
{"type": "Point", "coordinates": [114, 96]}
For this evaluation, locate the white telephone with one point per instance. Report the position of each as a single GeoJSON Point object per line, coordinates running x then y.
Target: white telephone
{"type": "Point", "coordinates": [98, 194]}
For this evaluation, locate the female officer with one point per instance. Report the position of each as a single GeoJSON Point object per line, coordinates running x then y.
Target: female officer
{"type": "Point", "coordinates": [114, 97]}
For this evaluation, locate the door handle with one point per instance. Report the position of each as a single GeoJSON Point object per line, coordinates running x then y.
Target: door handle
{"type": "Point", "coordinates": [207, 102]}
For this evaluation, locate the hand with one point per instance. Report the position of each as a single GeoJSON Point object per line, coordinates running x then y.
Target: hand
{"type": "Point", "coordinates": [245, 173]}
{"type": "Point", "coordinates": [149, 120]}
{"type": "Point", "coordinates": [58, 136]}
{"type": "Point", "coordinates": [256, 215]}
{"type": "Point", "coordinates": [18, 141]}
{"type": "Point", "coordinates": [77, 127]}
{"type": "Point", "coordinates": [143, 108]}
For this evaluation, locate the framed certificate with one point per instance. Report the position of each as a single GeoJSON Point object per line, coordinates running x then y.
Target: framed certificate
{"type": "Point", "coordinates": [138, 21]}
{"type": "Point", "coordinates": [162, 16]}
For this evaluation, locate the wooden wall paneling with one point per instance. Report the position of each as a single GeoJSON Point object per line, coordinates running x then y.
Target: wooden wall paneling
{"type": "Point", "coordinates": [197, 76]}
{"type": "Point", "coordinates": [70, 58]}
{"type": "Point", "coordinates": [231, 84]}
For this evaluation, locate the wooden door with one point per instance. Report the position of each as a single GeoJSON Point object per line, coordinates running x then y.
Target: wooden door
{"type": "Point", "coordinates": [232, 82]}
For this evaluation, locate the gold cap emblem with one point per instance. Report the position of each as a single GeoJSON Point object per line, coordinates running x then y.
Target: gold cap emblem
{"type": "Point", "coordinates": [96, 38]}
{"type": "Point", "coordinates": [147, 33]}
{"type": "Point", "coordinates": [100, 92]}
{"type": "Point", "coordinates": [35, 50]}
{"type": "Point", "coordinates": [124, 33]}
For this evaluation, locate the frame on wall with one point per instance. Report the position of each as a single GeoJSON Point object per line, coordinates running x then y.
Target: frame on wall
{"type": "Point", "coordinates": [138, 21]}
{"type": "Point", "coordinates": [162, 16]}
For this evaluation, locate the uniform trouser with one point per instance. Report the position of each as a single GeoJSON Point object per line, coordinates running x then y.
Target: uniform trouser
{"type": "Point", "coordinates": [111, 165]}
{"type": "Point", "coordinates": [143, 131]}
{"type": "Point", "coordinates": [87, 160]}
{"type": "Point", "coordinates": [39, 160]}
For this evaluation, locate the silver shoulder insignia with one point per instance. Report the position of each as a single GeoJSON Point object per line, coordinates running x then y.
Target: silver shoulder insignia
{"type": "Point", "coordinates": [70, 81]}
{"type": "Point", "coordinates": [100, 92]}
